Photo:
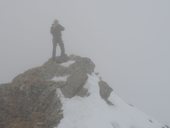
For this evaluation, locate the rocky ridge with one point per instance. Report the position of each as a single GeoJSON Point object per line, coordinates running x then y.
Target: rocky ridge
{"type": "Point", "coordinates": [66, 94]}
{"type": "Point", "coordinates": [31, 101]}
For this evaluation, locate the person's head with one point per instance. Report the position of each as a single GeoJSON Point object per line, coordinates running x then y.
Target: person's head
{"type": "Point", "coordinates": [55, 22]}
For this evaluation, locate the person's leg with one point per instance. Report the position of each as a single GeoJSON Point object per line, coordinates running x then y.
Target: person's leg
{"type": "Point", "coordinates": [54, 50]}
{"type": "Point", "coordinates": [61, 44]}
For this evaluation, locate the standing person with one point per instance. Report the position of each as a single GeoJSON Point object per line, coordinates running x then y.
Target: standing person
{"type": "Point", "coordinates": [56, 30]}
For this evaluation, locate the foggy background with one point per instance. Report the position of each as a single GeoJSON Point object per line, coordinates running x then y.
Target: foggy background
{"type": "Point", "coordinates": [129, 41]}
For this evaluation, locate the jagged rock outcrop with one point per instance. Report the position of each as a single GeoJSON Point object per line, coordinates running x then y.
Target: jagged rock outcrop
{"type": "Point", "coordinates": [105, 91]}
{"type": "Point", "coordinates": [31, 101]}
{"type": "Point", "coordinates": [34, 105]}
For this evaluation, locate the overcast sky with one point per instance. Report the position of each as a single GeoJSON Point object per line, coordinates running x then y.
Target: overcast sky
{"type": "Point", "coordinates": [129, 41]}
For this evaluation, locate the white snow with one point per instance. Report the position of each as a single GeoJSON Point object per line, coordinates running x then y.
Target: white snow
{"type": "Point", "coordinates": [60, 78]}
{"type": "Point", "coordinates": [94, 112]}
{"type": "Point", "coordinates": [68, 63]}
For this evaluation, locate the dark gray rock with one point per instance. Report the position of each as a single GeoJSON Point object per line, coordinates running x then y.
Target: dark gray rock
{"type": "Point", "coordinates": [83, 92]}
{"type": "Point", "coordinates": [105, 91]}
{"type": "Point", "coordinates": [78, 74]}
{"type": "Point", "coordinates": [82, 63]}
{"type": "Point", "coordinates": [74, 84]}
{"type": "Point", "coordinates": [61, 59]}
{"type": "Point", "coordinates": [33, 104]}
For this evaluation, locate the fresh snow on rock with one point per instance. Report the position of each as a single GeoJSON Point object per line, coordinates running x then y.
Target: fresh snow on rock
{"type": "Point", "coordinates": [67, 64]}
{"type": "Point", "coordinates": [60, 78]}
{"type": "Point", "coordinates": [93, 112]}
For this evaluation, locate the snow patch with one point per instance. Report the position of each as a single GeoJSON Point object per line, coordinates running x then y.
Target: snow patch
{"type": "Point", "coordinates": [68, 63]}
{"type": "Point", "coordinates": [60, 78]}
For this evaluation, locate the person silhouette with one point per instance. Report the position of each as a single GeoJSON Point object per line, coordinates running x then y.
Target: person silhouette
{"type": "Point", "coordinates": [56, 30]}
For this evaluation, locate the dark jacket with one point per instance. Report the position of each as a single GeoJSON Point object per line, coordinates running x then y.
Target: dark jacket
{"type": "Point", "coordinates": [56, 32]}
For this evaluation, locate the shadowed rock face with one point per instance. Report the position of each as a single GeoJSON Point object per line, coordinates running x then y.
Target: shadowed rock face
{"type": "Point", "coordinates": [105, 91]}
{"type": "Point", "coordinates": [31, 101]}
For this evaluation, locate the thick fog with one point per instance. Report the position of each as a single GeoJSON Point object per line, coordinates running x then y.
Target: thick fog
{"type": "Point", "coordinates": [129, 41]}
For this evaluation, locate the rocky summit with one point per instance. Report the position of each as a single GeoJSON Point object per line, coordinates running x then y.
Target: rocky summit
{"type": "Point", "coordinates": [31, 101]}
{"type": "Point", "coordinates": [68, 94]}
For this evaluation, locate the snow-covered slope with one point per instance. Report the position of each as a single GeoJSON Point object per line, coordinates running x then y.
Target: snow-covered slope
{"type": "Point", "coordinates": [93, 112]}
{"type": "Point", "coordinates": [68, 94]}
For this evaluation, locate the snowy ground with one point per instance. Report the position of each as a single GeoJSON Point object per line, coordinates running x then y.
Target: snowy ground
{"type": "Point", "coordinates": [93, 112]}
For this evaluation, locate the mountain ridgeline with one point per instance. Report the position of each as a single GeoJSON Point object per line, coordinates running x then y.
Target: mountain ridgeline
{"type": "Point", "coordinates": [66, 95]}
